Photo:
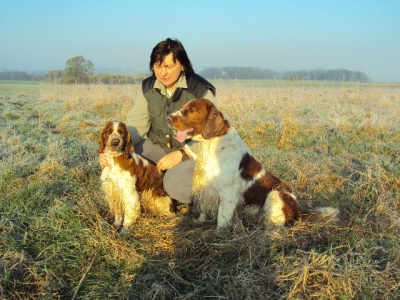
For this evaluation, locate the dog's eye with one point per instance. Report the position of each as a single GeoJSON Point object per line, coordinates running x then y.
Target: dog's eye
{"type": "Point", "coordinates": [191, 109]}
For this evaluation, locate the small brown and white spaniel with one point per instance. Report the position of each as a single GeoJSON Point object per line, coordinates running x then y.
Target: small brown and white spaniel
{"type": "Point", "coordinates": [228, 180]}
{"type": "Point", "coordinates": [127, 177]}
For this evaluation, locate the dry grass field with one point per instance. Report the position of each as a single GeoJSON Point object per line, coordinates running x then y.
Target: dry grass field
{"type": "Point", "coordinates": [336, 144]}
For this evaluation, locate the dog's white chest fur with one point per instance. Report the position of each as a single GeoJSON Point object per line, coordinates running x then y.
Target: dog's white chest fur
{"type": "Point", "coordinates": [113, 174]}
{"type": "Point", "coordinates": [217, 174]}
{"type": "Point", "coordinates": [220, 157]}
{"type": "Point", "coordinates": [120, 190]}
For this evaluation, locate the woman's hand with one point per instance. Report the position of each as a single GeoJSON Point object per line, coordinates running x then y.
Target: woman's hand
{"type": "Point", "coordinates": [169, 160]}
{"type": "Point", "coordinates": [103, 160]}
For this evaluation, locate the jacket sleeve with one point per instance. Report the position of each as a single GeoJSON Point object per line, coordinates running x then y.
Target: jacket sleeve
{"type": "Point", "coordinates": [138, 121]}
{"type": "Point", "coordinates": [193, 146]}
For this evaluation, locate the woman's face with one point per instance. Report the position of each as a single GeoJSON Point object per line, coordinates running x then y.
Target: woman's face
{"type": "Point", "coordinates": [168, 72]}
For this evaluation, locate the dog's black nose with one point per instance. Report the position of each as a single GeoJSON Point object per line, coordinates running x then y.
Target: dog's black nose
{"type": "Point", "coordinates": [115, 142]}
{"type": "Point", "coordinates": [169, 118]}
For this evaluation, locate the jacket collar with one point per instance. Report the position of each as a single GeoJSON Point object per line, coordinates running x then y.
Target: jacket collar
{"type": "Point", "coordinates": [181, 84]}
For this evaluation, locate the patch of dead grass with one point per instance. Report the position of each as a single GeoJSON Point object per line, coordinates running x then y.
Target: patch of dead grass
{"type": "Point", "coordinates": [317, 137]}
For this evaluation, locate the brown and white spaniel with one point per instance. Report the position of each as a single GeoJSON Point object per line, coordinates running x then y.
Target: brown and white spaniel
{"type": "Point", "coordinates": [228, 180]}
{"type": "Point", "coordinates": [127, 177]}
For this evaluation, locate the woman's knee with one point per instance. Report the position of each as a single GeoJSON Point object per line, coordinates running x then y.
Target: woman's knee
{"type": "Point", "coordinates": [177, 192]}
{"type": "Point", "coordinates": [178, 182]}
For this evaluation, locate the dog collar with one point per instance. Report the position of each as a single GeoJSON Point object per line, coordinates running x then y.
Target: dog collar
{"type": "Point", "coordinates": [112, 155]}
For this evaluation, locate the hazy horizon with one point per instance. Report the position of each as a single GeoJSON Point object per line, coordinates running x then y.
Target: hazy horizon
{"type": "Point", "coordinates": [280, 35]}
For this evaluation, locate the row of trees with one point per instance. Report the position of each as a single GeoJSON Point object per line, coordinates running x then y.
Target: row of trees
{"type": "Point", "coordinates": [79, 70]}
{"type": "Point", "coordinates": [257, 73]}
{"type": "Point", "coordinates": [19, 75]}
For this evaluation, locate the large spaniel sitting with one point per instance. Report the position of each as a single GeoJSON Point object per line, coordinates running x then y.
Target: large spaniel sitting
{"type": "Point", "coordinates": [127, 177]}
{"type": "Point", "coordinates": [228, 180]}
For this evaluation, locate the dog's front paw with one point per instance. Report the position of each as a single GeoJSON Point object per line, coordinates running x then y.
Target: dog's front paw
{"type": "Point", "coordinates": [201, 219]}
{"type": "Point", "coordinates": [117, 222]}
{"type": "Point", "coordinates": [116, 225]}
{"type": "Point", "coordinates": [125, 230]}
{"type": "Point", "coordinates": [220, 229]}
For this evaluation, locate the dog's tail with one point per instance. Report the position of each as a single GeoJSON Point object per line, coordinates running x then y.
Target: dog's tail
{"type": "Point", "coordinates": [322, 214]}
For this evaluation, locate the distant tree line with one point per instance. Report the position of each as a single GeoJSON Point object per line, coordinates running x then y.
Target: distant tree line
{"type": "Point", "coordinates": [79, 70]}
{"type": "Point", "coordinates": [57, 76]}
{"type": "Point", "coordinates": [19, 75]}
{"type": "Point", "coordinates": [258, 73]}
{"type": "Point", "coordinates": [116, 78]}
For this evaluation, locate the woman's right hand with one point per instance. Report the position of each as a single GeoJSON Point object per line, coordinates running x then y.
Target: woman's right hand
{"type": "Point", "coordinates": [103, 160]}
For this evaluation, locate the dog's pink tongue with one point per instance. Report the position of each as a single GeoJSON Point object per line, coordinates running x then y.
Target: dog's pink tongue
{"type": "Point", "coordinates": [181, 135]}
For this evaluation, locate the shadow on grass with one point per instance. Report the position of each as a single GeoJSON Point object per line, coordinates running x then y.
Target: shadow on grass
{"type": "Point", "coordinates": [195, 262]}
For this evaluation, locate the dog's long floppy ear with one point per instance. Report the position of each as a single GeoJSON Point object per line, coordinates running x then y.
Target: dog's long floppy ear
{"type": "Point", "coordinates": [102, 141]}
{"type": "Point", "coordinates": [215, 123]}
{"type": "Point", "coordinates": [129, 146]}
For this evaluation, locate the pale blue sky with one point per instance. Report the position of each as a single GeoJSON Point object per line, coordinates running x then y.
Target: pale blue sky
{"type": "Point", "coordinates": [357, 35]}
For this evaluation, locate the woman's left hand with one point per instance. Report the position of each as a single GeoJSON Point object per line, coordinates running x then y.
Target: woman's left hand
{"type": "Point", "coordinates": [169, 160]}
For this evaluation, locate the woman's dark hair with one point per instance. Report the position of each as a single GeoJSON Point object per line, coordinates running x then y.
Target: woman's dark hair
{"type": "Point", "coordinates": [175, 47]}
